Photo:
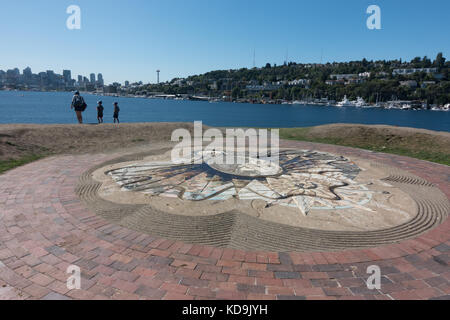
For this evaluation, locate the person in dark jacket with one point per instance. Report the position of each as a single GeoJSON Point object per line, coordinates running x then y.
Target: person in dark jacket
{"type": "Point", "coordinates": [79, 105]}
{"type": "Point", "coordinates": [116, 112]}
{"type": "Point", "coordinates": [100, 112]}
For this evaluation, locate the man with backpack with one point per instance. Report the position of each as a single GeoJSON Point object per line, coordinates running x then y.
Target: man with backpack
{"type": "Point", "coordinates": [79, 105]}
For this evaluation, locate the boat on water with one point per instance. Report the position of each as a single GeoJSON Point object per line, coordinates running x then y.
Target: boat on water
{"type": "Point", "coordinates": [406, 106]}
{"type": "Point", "coordinates": [345, 103]}
{"type": "Point", "coordinates": [360, 103]}
{"type": "Point", "coordinates": [444, 108]}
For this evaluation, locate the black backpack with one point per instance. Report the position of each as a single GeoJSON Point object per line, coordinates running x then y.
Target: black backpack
{"type": "Point", "coordinates": [80, 103]}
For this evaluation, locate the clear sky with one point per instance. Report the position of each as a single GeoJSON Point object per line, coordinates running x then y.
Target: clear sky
{"type": "Point", "coordinates": [130, 40]}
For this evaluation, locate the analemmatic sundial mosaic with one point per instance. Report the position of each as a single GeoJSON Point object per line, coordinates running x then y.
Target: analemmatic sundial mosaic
{"type": "Point", "coordinates": [307, 201]}
{"type": "Point", "coordinates": [305, 180]}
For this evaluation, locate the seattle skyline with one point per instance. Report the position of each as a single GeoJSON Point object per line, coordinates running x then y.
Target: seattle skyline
{"type": "Point", "coordinates": [48, 79]}
{"type": "Point", "coordinates": [131, 41]}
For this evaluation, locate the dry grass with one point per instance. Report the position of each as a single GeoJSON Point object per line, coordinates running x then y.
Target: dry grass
{"type": "Point", "coordinates": [20, 144]}
{"type": "Point", "coordinates": [416, 143]}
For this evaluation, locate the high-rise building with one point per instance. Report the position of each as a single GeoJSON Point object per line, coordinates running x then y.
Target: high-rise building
{"type": "Point", "coordinates": [12, 76]}
{"type": "Point", "coordinates": [92, 78]}
{"type": "Point", "coordinates": [67, 74]}
{"type": "Point", "coordinates": [51, 77]}
{"type": "Point", "coordinates": [2, 77]}
{"type": "Point", "coordinates": [100, 80]}
{"type": "Point", "coordinates": [80, 80]}
{"type": "Point", "coordinates": [27, 75]}
{"type": "Point", "coordinates": [27, 72]}
{"type": "Point", "coordinates": [127, 83]}
{"type": "Point", "coordinates": [43, 79]}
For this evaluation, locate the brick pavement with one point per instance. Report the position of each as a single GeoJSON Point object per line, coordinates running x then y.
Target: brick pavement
{"type": "Point", "coordinates": [44, 228]}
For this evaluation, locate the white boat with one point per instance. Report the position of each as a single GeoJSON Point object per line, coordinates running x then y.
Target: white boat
{"type": "Point", "coordinates": [345, 103]}
{"type": "Point", "coordinates": [359, 102]}
{"type": "Point", "coordinates": [406, 106]}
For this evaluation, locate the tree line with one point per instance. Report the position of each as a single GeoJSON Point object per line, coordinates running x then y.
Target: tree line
{"type": "Point", "coordinates": [381, 85]}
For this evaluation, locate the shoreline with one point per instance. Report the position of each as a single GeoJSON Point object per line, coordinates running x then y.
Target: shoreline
{"type": "Point", "coordinates": [319, 102]}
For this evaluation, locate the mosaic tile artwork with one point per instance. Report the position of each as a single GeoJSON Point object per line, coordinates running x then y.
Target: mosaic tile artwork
{"type": "Point", "coordinates": [306, 180]}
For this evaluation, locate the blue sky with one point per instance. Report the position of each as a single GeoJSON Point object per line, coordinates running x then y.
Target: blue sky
{"type": "Point", "coordinates": [129, 40]}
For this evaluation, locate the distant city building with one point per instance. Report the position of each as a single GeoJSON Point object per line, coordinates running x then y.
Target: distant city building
{"type": "Point", "coordinates": [334, 82]}
{"type": "Point", "coordinates": [264, 87]}
{"type": "Point", "coordinates": [299, 82]}
{"type": "Point", "coordinates": [27, 72]}
{"type": "Point", "coordinates": [2, 78]}
{"type": "Point", "coordinates": [12, 76]}
{"type": "Point", "coordinates": [364, 75]}
{"type": "Point", "coordinates": [127, 83]}
{"type": "Point", "coordinates": [27, 76]}
{"type": "Point", "coordinates": [343, 76]}
{"type": "Point", "coordinates": [409, 83]}
{"type": "Point", "coordinates": [47, 80]}
{"type": "Point", "coordinates": [110, 89]}
{"type": "Point", "coordinates": [92, 78]}
{"type": "Point", "coordinates": [413, 70]}
{"type": "Point", "coordinates": [355, 81]}
{"type": "Point", "coordinates": [179, 82]}
{"type": "Point", "coordinates": [427, 83]}
{"type": "Point", "coordinates": [51, 78]}
{"type": "Point", "coordinates": [67, 74]}
{"type": "Point", "coordinates": [100, 80]}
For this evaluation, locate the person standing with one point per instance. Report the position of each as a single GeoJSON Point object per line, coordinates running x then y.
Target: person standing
{"type": "Point", "coordinates": [100, 112]}
{"type": "Point", "coordinates": [116, 112]}
{"type": "Point", "coordinates": [79, 105]}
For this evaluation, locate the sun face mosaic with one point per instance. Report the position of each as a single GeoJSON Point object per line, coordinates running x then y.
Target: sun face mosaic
{"type": "Point", "coordinates": [306, 180]}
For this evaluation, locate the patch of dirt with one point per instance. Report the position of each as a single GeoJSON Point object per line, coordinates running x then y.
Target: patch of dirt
{"type": "Point", "coordinates": [17, 141]}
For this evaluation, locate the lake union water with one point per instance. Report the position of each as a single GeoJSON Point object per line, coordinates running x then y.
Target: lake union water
{"type": "Point", "coordinates": [54, 108]}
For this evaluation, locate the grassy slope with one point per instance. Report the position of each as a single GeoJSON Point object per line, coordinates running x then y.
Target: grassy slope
{"type": "Point", "coordinates": [6, 165]}
{"type": "Point", "coordinates": [414, 146]}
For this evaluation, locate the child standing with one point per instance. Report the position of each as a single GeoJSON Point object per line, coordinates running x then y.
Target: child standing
{"type": "Point", "coordinates": [100, 112]}
{"type": "Point", "coordinates": [116, 112]}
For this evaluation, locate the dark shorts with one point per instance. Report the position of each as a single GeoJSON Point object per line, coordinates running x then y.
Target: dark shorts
{"type": "Point", "coordinates": [116, 115]}
{"type": "Point", "coordinates": [99, 115]}
{"type": "Point", "coordinates": [79, 109]}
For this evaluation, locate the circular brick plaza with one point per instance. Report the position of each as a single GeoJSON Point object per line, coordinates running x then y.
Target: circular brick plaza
{"type": "Point", "coordinates": [47, 224]}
